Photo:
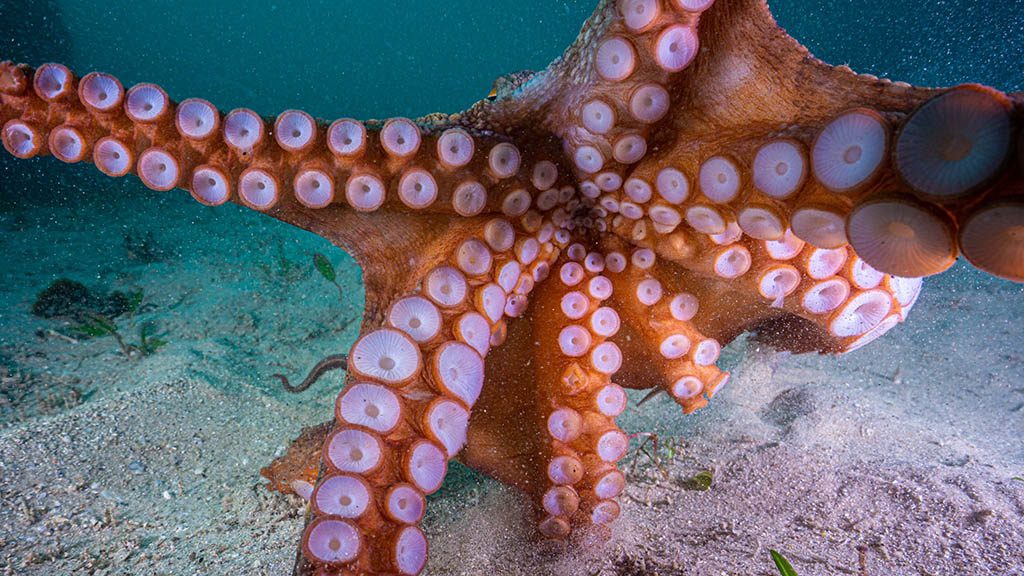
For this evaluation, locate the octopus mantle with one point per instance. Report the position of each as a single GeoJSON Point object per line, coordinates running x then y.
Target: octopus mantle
{"type": "Point", "coordinates": [684, 173]}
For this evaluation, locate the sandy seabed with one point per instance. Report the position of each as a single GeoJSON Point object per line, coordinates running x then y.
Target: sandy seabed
{"type": "Point", "coordinates": [901, 455]}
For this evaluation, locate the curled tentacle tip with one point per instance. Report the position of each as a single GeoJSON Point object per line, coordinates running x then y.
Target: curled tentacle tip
{"type": "Point", "coordinates": [302, 488]}
{"type": "Point", "coordinates": [13, 79]}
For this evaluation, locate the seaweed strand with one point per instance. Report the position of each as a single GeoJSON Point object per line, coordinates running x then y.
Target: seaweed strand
{"type": "Point", "coordinates": [332, 362]}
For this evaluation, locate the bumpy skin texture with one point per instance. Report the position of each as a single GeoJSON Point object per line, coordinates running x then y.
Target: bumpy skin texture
{"type": "Point", "coordinates": [684, 173]}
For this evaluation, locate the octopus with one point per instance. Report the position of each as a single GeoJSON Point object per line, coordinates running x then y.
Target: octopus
{"type": "Point", "coordinates": [684, 173]}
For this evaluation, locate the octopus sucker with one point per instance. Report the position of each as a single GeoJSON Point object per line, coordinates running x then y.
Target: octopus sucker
{"type": "Point", "coordinates": [314, 187]}
{"type": "Point", "coordinates": [100, 92]}
{"type": "Point", "coordinates": [159, 169]}
{"type": "Point", "coordinates": [113, 157]}
{"type": "Point", "coordinates": [902, 236]}
{"type": "Point", "coordinates": [955, 142]}
{"type": "Point", "coordinates": [196, 119]}
{"type": "Point", "coordinates": [684, 173]}
{"type": "Point", "coordinates": [992, 238]}
{"type": "Point", "coordinates": [850, 150]}
{"type": "Point", "coordinates": [210, 185]}
{"type": "Point", "coordinates": [21, 139]}
{"type": "Point", "coordinates": [52, 82]}
{"type": "Point", "coordinates": [67, 144]}
{"type": "Point", "coordinates": [147, 103]}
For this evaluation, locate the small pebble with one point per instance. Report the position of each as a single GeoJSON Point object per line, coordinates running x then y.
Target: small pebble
{"type": "Point", "coordinates": [166, 495]}
{"type": "Point", "coordinates": [136, 467]}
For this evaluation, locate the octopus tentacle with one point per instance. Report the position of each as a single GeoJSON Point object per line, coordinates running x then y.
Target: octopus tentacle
{"type": "Point", "coordinates": [289, 167]}
{"type": "Point", "coordinates": [578, 402]}
{"type": "Point", "coordinates": [414, 381]}
{"type": "Point", "coordinates": [662, 310]}
{"type": "Point", "coordinates": [894, 170]}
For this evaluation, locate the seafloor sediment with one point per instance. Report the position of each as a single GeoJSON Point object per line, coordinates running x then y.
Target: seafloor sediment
{"type": "Point", "coordinates": [903, 453]}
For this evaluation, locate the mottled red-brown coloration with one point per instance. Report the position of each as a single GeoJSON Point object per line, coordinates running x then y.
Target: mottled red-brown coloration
{"type": "Point", "coordinates": [684, 173]}
{"type": "Point", "coordinates": [301, 461]}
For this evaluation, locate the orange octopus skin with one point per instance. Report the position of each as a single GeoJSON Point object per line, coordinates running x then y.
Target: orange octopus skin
{"type": "Point", "coordinates": [684, 173]}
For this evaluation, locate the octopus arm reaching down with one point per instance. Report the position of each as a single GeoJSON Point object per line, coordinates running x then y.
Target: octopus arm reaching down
{"type": "Point", "coordinates": [684, 173]}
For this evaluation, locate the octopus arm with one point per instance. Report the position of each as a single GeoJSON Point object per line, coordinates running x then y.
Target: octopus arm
{"type": "Point", "coordinates": [793, 295]}
{"type": "Point", "coordinates": [576, 481]}
{"type": "Point", "coordinates": [675, 336]}
{"type": "Point", "coordinates": [710, 114]}
{"type": "Point", "coordinates": [763, 138]}
{"type": "Point", "coordinates": [415, 375]}
{"type": "Point", "coordinates": [370, 187]}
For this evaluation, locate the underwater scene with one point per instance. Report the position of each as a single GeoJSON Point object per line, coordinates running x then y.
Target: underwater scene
{"type": "Point", "coordinates": [516, 287]}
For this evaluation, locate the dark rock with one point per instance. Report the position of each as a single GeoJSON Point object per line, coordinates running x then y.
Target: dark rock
{"type": "Point", "coordinates": [65, 298]}
{"type": "Point", "coordinates": [69, 299]}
